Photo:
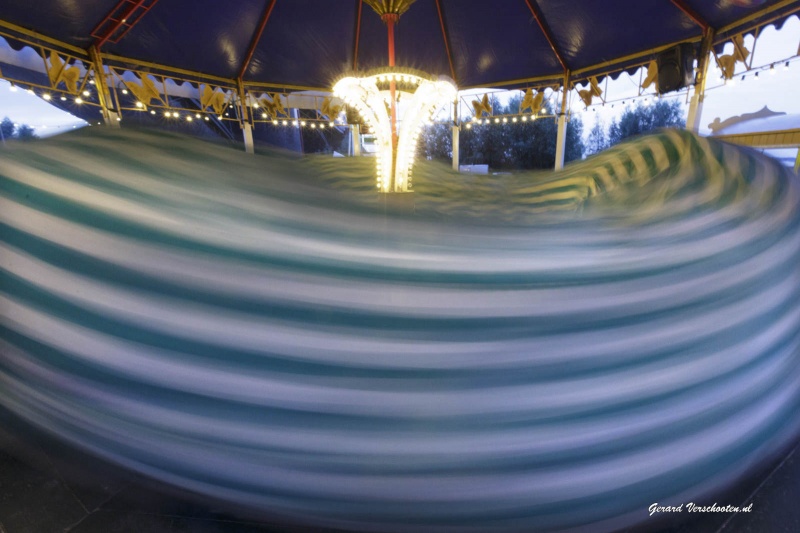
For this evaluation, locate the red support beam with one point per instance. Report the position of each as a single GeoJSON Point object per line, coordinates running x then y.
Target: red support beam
{"type": "Point", "coordinates": [546, 31]}
{"type": "Point", "coordinates": [256, 37]}
{"type": "Point", "coordinates": [446, 42]}
{"type": "Point", "coordinates": [119, 18]}
{"type": "Point", "coordinates": [358, 34]}
{"type": "Point", "coordinates": [692, 14]}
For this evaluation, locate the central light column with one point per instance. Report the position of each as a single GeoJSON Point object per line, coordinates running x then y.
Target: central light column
{"type": "Point", "coordinates": [390, 19]}
{"type": "Point", "coordinates": [371, 94]}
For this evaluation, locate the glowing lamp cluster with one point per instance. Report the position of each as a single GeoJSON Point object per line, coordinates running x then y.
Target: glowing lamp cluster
{"type": "Point", "coordinates": [417, 97]}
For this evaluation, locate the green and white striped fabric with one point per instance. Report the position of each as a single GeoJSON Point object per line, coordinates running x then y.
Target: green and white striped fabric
{"type": "Point", "coordinates": [534, 352]}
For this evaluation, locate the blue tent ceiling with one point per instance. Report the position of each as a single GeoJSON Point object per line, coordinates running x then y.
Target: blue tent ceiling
{"type": "Point", "coordinates": [310, 43]}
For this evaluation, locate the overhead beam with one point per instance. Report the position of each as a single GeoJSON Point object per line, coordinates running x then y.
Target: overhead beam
{"type": "Point", "coordinates": [743, 25]}
{"type": "Point", "coordinates": [546, 31]}
{"type": "Point", "coordinates": [127, 17]}
{"type": "Point", "coordinates": [358, 34]}
{"type": "Point", "coordinates": [446, 42]}
{"type": "Point", "coordinates": [256, 37]}
{"type": "Point", "coordinates": [42, 38]}
{"type": "Point", "coordinates": [692, 14]}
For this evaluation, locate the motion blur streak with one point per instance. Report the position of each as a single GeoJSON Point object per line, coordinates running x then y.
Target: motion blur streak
{"type": "Point", "coordinates": [529, 352]}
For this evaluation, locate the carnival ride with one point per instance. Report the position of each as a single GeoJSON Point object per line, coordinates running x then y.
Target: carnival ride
{"type": "Point", "coordinates": [538, 352]}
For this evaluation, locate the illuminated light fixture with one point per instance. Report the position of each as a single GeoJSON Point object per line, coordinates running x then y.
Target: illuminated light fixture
{"type": "Point", "coordinates": [303, 123]}
{"type": "Point", "coordinates": [330, 124]}
{"type": "Point", "coordinates": [285, 123]}
{"type": "Point", "coordinates": [139, 105]}
{"type": "Point", "coordinates": [505, 120]}
{"type": "Point", "coordinates": [263, 115]}
{"type": "Point", "coordinates": [497, 121]}
{"type": "Point", "coordinates": [514, 119]}
{"type": "Point", "coordinates": [91, 82]}
{"type": "Point", "coordinates": [188, 118]}
{"type": "Point", "coordinates": [124, 91]}
{"type": "Point", "coordinates": [206, 119]}
{"type": "Point", "coordinates": [78, 101]}
{"type": "Point", "coordinates": [313, 126]}
{"type": "Point", "coordinates": [469, 126]}
{"type": "Point", "coordinates": [197, 115]}
{"type": "Point", "coordinates": [322, 126]}
{"type": "Point", "coordinates": [421, 96]}
{"type": "Point", "coordinates": [63, 98]}
{"type": "Point", "coordinates": [255, 104]}
{"type": "Point", "coordinates": [86, 93]}
{"type": "Point", "coordinates": [275, 122]}
{"type": "Point", "coordinates": [152, 112]}
{"type": "Point", "coordinates": [119, 119]}
{"type": "Point", "coordinates": [525, 119]}
{"type": "Point", "coordinates": [486, 121]}
{"type": "Point", "coordinates": [13, 88]}
{"type": "Point", "coordinates": [295, 123]}
{"type": "Point", "coordinates": [30, 91]}
{"type": "Point", "coordinates": [167, 113]}
{"type": "Point", "coordinates": [46, 96]}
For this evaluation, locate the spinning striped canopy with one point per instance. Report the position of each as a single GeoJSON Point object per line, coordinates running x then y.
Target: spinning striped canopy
{"type": "Point", "coordinates": [549, 352]}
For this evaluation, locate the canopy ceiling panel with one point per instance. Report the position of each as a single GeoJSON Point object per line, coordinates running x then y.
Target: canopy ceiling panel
{"type": "Point", "coordinates": [70, 21]}
{"type": "Point", "coordinates": [587, 34]}
{"type": "Point", "coordinates": [479, 61]}
{"type": "Point", "coordinates": [310, 43]}
{"type": "Point", "coordinates": [304, 42]}
{"type": "Point", "coordinates": [205, 36]}
{"type": "Point", "coordinates": [418, 41]}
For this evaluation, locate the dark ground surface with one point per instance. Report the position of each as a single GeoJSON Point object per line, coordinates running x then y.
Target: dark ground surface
{"type": "Point", "coordinates": [46, 487]}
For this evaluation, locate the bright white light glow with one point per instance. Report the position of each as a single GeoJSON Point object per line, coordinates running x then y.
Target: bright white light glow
{"type": "Point", "coordinates": [393, 163]}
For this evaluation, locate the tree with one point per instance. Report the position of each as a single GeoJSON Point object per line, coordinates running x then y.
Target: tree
{"type": "Point", "coordinates": [520, 145]}
{"type": "Point", "coordinates": [26, 133]}
{"type": "Point", "coordinates": [436, 142]}
{"type": "Point", "coordinates": [597, 141]}
{"type": "Point", "coordinates": [23, 132]}
{"type": "Point", "coordinates": [646, 118]}
{"type": "Point", "coordinates": [7, 129]}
